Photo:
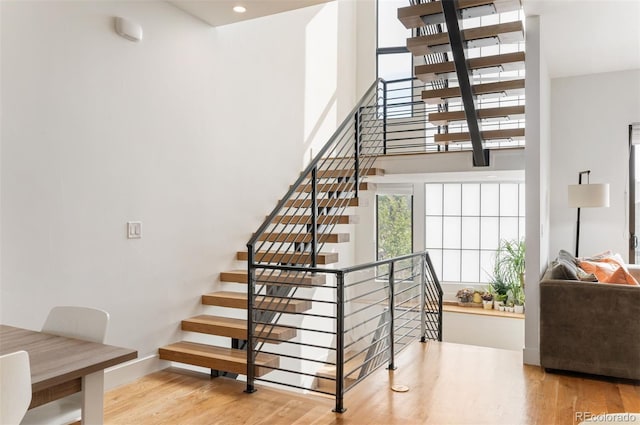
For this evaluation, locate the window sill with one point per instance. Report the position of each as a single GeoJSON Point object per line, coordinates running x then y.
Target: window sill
{"type": "Point", "coordinates": [453, 307]}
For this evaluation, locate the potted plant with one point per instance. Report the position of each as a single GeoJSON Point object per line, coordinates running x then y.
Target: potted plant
{"type": "Point", "coordinates": [499, 290]}
{"type": "Point", "coordinates": [487, 300]}
{"type": "Point", "coordinates": [508, 273]}
{"type": "Point", "coordinates": [517, 295]}
{"type": "Point", "coordinates": [509, 263]}
{"type": "Point", "coordinates": [465, 296]}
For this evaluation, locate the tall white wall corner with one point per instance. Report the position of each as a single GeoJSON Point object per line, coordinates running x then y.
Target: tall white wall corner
{"type": "Point", "coordinates": [130, 30]}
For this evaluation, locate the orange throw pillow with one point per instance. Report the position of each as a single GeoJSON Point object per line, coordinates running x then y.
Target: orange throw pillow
{"type": "Point", "coordinates": [609, 270]}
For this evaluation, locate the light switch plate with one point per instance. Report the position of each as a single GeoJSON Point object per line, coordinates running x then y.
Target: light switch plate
{"type": "Point", "coordinates": [134, 229]}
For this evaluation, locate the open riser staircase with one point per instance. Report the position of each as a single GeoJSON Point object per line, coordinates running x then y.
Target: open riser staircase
{"type": "Point", "coordinates": [475, 75]}
{"type": "Point", "coordinates": [312, 323]}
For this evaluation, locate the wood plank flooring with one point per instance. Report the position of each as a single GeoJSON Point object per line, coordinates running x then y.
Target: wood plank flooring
{"type": "Point", "coordinates": [449, 384]}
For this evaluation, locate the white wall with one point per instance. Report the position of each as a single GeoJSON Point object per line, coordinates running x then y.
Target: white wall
{"type": "Point", "coordinates": [506, 333]}
{"type": "Point", "coordinates": [180, 131]}
{"type": "Point", "coordinates": [537, 184]}
{"type": "Point", "coordinates": [590, 117]}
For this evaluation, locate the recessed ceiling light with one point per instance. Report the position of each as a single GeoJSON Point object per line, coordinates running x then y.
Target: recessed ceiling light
{"type": "Point", "coordinates": [239, 9]}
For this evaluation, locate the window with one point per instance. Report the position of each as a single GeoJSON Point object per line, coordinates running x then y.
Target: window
{"type": "Point", "coordinates": [394, 221]}
{"type": "Point", "coordinates": [464, 223]}
{"type": "Point", "coordinates": [393, 59]}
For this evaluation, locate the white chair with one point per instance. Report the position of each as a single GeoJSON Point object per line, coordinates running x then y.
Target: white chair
{"type": "Point", "coordinates": [85, 323]}
{"type": "Point", "coordinates": [15, 387]}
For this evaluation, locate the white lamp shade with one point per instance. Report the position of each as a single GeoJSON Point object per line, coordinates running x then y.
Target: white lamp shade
{"type": "Point", "coordinates": [588, 195]}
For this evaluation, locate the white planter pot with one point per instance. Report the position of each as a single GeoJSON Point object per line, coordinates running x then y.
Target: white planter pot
{"type": "Point", "coordinates": [519, 309]}
{"type": "Point", "coordinates": [487, 305]}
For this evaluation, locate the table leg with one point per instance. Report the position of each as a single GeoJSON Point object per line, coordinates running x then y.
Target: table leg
{"type": "Point", "coordinates": [93, 399]}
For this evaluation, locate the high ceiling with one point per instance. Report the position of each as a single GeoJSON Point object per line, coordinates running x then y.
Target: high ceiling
{"type": "Point", "coordinates": [588, 36]}
{"type": "Point", "coordinates": [579, 36]}
{"type": "Point", "coordinates": [220, 12]}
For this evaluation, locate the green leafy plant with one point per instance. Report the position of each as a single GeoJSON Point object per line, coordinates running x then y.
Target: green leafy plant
{"type": "Point", "coordinates": [508, 271]}
{"type": "Point", "coordinates": [510, 262]}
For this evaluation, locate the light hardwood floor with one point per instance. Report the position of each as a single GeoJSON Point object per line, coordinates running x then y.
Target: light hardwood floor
{"type": "Point", "coordinates": [449, 384]}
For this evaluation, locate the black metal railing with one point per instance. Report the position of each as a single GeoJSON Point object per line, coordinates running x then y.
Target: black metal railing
{"type": "Point", "coordinates": [361, 318]}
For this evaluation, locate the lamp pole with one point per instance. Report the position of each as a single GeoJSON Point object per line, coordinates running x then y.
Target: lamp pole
{"type": "Point", "coordinates": [587, 172]}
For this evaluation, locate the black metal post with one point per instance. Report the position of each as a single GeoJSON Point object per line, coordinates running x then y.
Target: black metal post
{"type": "Point", "coordinates": [384, 116]}
{"type": "Point", "coordinates": [357, 153]}
{"type": "Point", "coordinates": [423, 301]}
{"type": "Point", "coordinates": [392, 314]}
{"type": "Point", "coordinates": [314, 216]}
{"type": "Point", "coordinates": [251, 280]}
{"type": "Point", "coordinates": [340, 344]}
{"type": "Point", "coordinates": [450, 9]}
{"type": "Point", "coordinates": [587, 172]}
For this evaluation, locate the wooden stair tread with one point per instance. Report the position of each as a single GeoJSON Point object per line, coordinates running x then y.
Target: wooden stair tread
{"type": "Point", "coordinates": [327, 203]}
{"type": "Point", "coordinates": [511, 133]}
{"type": "Point", "coordinates": [290, 257]}
{"type": "Point", "coordinates": [218, 358]}
{"type": "Point", "coordinates": [508, 32]}
{"type": "Point", "coordinates": [239, 300]}
{"type": "Point", "coordinates": [305, 237]}
{"type": "Point", "coordinates": [329, 372]}
{"type": "Point", "coordinates": [336, 187]}
{"type": "Point", "coordinates": [442, 95]}
{"type": "Point", "coordinates": [234, 328]}
{"type": "Point", "coordinates": [326, 174]}
{"type": "Point", "coordinates": [415, 16]}
{"type": "Point", "coordinates": [507, 61]}
{"type": "Point", "coordinates": [442, 118]}
{"type": "Point", "coordinates": [302, 279]}
{"type": "Point", "coordinates": [323, 219]}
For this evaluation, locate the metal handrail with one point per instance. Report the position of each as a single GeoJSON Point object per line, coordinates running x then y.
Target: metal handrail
{"type": "Point", "coordinates": [312, 164]}
{"type": "Point", "coordinates": [411, 321]}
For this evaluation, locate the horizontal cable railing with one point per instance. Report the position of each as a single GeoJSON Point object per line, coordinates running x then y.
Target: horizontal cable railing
{"type": "Point", "coordinates": [363, 316]}
{"type": "Point", "coordinates": [407, 126]}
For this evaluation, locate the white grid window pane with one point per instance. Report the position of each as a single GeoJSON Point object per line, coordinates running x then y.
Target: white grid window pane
{"type": "Point", "coordinates": [451, 266]}
{"type": "Point", "coordinates": [391, 32]}
{"type": "Point", "coordinates": [487, 258]}
{"type": "Point", "coordinates": [509, 228]}
{"type": "Point", "coordinates": [470, 233]}
{"type": "Point", "coordinates": [470, 266]}
{"type": "Point", "coordinates": [433, 199]}
{"type": "Point", "coordinates": [467, 221]}
{"type": "Point", "coordinates": [471, 199]}
{"type": "Point", "coordinates": [451, 233]}
{"type": "Point", "coordinates": [489, 199]}
{"type": "Point", "coordinates": [452, 204]}
{"type": "Point", "coordinates": [509, 199]}
{"type": "Point", "coordinates": [433, 231]}
{"type": "Point", "coordinates": [394, 66]}
{"type": "Point", "coordinates": [436, 259]}
{"type": "Point", "coordinates": [490, 233]}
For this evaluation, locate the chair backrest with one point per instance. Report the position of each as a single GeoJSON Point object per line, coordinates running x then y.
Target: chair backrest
{"type": "Point", "coordinates": [85, 323]}
{"type": "Point", "coordinates": [15, 387]}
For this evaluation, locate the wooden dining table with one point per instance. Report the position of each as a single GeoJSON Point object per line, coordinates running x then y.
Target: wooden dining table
{"type": "Point", "coordinates": [63, 366]}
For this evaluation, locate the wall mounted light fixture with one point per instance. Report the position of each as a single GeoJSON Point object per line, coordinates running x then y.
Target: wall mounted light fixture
{"type": "Point", "coordinates": [128, 29]}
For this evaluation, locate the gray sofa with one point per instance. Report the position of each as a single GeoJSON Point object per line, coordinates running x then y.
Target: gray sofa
{"type": "Point", "coordinates": [590, 327]}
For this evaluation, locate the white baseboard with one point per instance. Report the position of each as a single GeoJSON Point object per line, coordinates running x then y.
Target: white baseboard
{"type": "Point", "coordinates": [531, 356]}
{"type": "Point", "coordinates": [130, 371]}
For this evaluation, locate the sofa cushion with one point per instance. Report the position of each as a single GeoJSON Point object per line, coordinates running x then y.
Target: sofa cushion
{"type": "Point", "coordinates": [609, 271]}
{"type": "Point", "coordinates": [563, 270]}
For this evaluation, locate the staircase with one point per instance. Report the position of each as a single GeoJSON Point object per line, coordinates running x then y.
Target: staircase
{"type": "Point", "coordinates": [234, 360]}
{"type": "Point", "coordinates": [312, 324]}
{"type": "Point", "coordinates": [475, 69]}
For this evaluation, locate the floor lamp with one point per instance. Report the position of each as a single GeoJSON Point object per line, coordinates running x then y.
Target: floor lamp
{"type": "Point", "coordinates": [587, 196]}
